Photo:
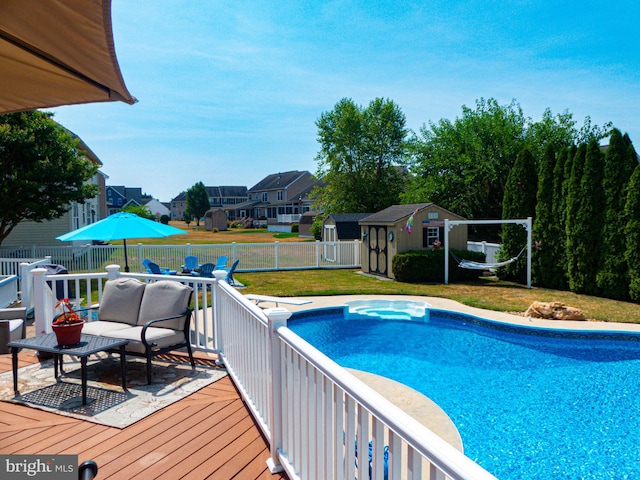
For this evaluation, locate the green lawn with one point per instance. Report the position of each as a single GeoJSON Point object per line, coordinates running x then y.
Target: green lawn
{"type": "Point", "coordinates": [488, 293]}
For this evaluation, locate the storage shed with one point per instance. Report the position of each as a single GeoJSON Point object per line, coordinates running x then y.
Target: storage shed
{"type": "Point", "coordinates": [385, 233]}
{"type": "Point", "coordinates": [342, 227]}
{"type": "Point", "coordinates": [215, 219]}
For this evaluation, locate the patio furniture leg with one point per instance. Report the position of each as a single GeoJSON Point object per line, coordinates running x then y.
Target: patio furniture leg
{"type": "Point", "coordinates": [83, 369]}
{"type": "Point", "coordinates": [123, 367]}
{"type": "Point", "coordinates": [148, 369]}
{"type": "Point", "coordinates": [14, 365]}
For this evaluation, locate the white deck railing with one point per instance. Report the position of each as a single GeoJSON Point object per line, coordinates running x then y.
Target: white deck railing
{"type": "Point", "coordinates": [318, 418]}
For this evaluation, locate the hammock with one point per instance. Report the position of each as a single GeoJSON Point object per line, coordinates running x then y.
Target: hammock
{"type": "Point", "coordinates": [471, 265]}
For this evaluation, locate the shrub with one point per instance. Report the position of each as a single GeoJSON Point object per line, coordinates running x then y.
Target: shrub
{"type": "Point", "coordinates": [427, 266]}
{"type": "Point", "coordinates": [164, 219]}
{"type": "Point", "coordinates": [295, 228]}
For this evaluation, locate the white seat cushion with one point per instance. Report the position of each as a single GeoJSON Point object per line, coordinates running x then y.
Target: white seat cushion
{"type": "Point", "coordinates": [98, 328]}
{"type": "Point", "coordinates": [163, 337]}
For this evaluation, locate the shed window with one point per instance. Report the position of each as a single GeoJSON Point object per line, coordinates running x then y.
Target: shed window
{"type": "Point", "coordinates": [430, 235]}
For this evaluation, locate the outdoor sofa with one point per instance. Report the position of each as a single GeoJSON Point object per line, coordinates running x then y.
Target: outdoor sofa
{"type": "Point", "coordinates": [154, 317]}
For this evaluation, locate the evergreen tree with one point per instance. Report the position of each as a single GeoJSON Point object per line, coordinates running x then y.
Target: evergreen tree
{"type": "Point", "coordinates": [519, 202]}
{"type": "Point", "coordinates": [632, 234]}
{"type": "Point", "coordinates": [544, 264]}
{"type": "Point", "coordinates": [612, 276]}
{"type": "Point", "coordinates": [559, 219]}
{"type": "Point", "coordinates": [587, 227]}
{"type": "Point", "coordinates": [576, 164]}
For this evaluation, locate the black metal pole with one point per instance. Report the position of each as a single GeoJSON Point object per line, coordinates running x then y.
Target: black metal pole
{"type": "Point", "coordinates": [126, 259]}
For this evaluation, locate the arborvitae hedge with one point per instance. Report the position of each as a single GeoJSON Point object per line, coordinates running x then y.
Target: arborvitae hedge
{"type": "Point", "coordinates": [632, 234]}
{"type": "Point", "coordinates": [519, 202]}
{"type": "Point", "coordinates": [545, 264]}
{"type": "Point", "coordinates": [612, 278]}
{"type": "Point", "coordinates": [572, 205]}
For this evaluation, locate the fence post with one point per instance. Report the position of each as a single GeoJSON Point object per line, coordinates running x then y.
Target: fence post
{"type": "Point", "coordinates": [277, 318]}
{"type": "Point", "coordinates": [39, 313]}
{"type": "Point", "coordinates": [113, 272]}
{"type": "Point", "coordinates": [234, 252]}
{"type": "Point", "coordinates": [317, 253]}
{"type": "Point", "coordinates": [275, 248]}
{"type": "Point", "coordinates": [188, 249]}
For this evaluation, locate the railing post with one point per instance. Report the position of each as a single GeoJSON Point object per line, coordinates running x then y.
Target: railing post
{"type": "Point", "coordinates": [89, 248]}
{"type": "Point", "coordinates": [220, 275]}
{"type": "Point", "coordinates": [113, 272]}
{"type": "Point", "coordinates": [317, 253]}
{"type": "Point", "coordinates": [188, 249]}
{"type": "Point", "coordinates": [39, 313]}
{"type": "Point", "coordinates": [277, 318]}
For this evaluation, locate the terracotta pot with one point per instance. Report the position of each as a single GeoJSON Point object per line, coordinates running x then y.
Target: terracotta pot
{"type": "Point", "coordinates": [68, 334]}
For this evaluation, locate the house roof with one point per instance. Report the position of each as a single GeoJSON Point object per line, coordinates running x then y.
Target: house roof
{"type": "Point", "coordinates": [277, 181]}
{"type": "Point", "coordinates": [348, 217]}
{"type": "Point", "coordinates": [395, 213]}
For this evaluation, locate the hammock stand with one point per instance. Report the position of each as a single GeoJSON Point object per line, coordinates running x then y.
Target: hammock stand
{"type": "Point", "coordinates": [449, 224]}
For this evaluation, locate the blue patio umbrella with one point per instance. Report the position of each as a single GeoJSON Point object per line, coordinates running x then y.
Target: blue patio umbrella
{"type": "Point", "coordinates": [121, 226]}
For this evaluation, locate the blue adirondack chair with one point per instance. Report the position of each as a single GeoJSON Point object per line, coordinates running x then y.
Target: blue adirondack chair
{"type": "Point", "coordinates": [230, 271]}
{"type": "Point", "coordinates": [156, 270]}
{"type": "Point", "coordinates": [221, 263]}
{"type": "Point", "coordinates": [206, 270]}
{"type": "Point", "coordinates": [190, 263]}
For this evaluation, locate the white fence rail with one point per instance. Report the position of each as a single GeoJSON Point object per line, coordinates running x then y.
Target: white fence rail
{"type": "Point", "coordinates": [318, 418]}
{"type": "Point", "coordinates": [489, 249]}
{"type": "Point", "coordinates": [253, 256]}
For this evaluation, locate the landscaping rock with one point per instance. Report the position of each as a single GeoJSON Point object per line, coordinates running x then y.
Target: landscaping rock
{"type": "Point", "coordinates": [554, 311]}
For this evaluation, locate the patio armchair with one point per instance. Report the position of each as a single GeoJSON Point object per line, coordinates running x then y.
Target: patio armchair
{"type": "Point", "coordinates": [154, 317]}
{"type": "Point", "coordinates": [13, 326]}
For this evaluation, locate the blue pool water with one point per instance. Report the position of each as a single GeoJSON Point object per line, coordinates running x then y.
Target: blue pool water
{"type": "Point", "coordinates": [528, 404]}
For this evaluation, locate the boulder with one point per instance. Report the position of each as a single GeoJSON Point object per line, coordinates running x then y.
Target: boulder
{"type": "Point", "coordinates": [554, 311]}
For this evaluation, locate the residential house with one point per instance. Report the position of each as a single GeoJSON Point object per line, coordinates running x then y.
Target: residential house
{"type": "Point", "coordinates": [120, 196]}
{"type": "Point", "coordinates": [278, 200]}
{"type": "Point", "coordinates": [224, 197]}
{"type": "Point", "coordinates": [157, 208]}
{"type": "Point", "coordinates": [27, 233]}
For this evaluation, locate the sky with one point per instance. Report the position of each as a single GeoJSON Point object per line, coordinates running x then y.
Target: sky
{"type": "Point", "coordinates": [230, 91]}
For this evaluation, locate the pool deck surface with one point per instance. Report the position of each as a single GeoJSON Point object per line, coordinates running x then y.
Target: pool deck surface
{"type": "Point", "coordinates": [414, 403]}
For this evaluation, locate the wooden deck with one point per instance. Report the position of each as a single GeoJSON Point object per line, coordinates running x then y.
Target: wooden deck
{"type": "Point", "coordinates": [209, 434]}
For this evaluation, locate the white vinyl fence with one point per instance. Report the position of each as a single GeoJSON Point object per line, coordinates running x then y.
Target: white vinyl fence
{"type": "Point", "coordinates": [253, 257]}
{"type": "Point", "coordinates": [318, 419]}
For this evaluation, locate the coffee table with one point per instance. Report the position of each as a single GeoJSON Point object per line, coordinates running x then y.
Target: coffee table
{"type": "Point", "coordinates": [88, 345]}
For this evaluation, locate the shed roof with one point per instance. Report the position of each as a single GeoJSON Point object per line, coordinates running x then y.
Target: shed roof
{"type": "Point", "coordinates": [395, 213]}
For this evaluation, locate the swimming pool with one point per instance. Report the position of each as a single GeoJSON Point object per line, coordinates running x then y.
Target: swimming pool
{"type": "Point", "coordinates": [528, 403]}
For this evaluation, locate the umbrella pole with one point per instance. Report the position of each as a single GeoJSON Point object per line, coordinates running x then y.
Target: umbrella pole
{"type": "Point", "coordinates": [126, 259]}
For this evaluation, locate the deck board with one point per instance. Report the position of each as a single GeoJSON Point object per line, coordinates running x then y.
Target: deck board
{"type": "Point", "coordinates": [209, 434]}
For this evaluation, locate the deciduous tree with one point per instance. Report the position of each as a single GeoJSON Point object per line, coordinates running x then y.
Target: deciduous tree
{"type": "Point", "coordinates": [197, 202]}
{"type": "Point", "coordinates": [362, 155]}
{"type": "Point", "coordinates": [43, 170]}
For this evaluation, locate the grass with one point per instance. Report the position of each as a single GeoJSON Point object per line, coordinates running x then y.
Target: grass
{"type": "Point", "coordinates": [488, 293]}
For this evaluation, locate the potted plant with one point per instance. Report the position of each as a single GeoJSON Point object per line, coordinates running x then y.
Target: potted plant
{"type": "Point", "coordinates": [68, 325]}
